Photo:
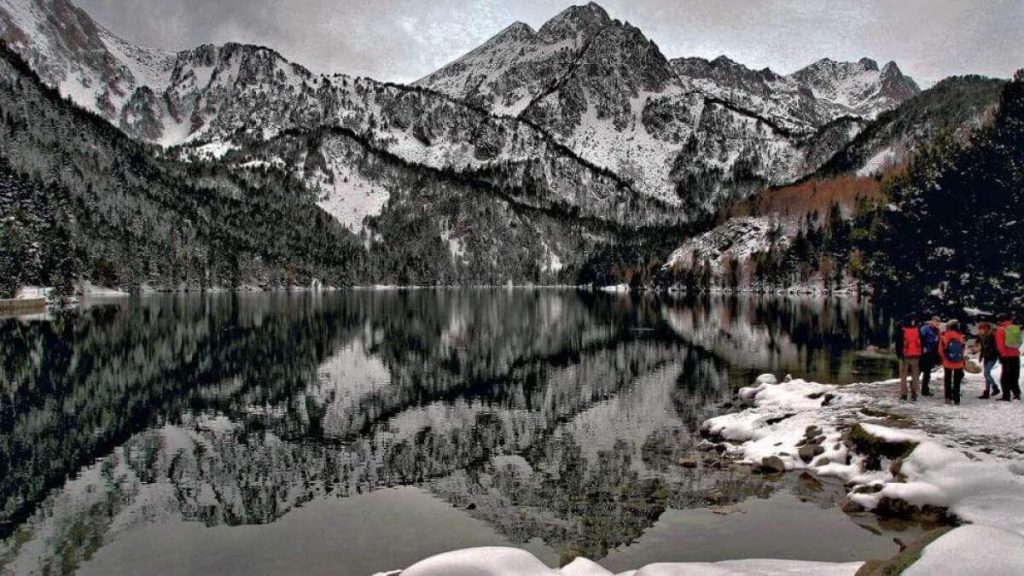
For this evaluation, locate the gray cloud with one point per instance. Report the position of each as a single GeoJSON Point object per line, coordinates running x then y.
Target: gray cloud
{"type": "Point", "coordinates": [402, 40]}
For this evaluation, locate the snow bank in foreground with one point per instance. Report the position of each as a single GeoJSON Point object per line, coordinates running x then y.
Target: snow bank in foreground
{"type": "Point", "coordinates": [496, 561]}
{"type": "Point", "coordinates": [991, 551]}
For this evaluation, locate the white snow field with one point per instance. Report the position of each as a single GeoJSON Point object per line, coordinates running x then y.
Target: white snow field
{"type": "Point", "coordinates": [967, 460]}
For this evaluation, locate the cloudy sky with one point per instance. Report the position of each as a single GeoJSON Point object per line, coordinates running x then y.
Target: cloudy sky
{"type": "Point", "coordinates": [402, 40]}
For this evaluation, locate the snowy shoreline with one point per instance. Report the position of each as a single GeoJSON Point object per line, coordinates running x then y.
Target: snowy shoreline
{"type": "Point", "coordinates": [960, 465]}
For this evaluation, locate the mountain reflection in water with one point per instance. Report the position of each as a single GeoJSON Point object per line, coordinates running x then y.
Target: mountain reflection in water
{"type": "Point", "coordinates": [551, 415]}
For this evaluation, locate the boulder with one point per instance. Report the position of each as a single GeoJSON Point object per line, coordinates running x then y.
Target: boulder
{"type": "Point", "coordinates": [850, 507]}
{"type": "Point", "coordinates": [772, 464]}
{"type": "Point", "coordinates": [809, 451]}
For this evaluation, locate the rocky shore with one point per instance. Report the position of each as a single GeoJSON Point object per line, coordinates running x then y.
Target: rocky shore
{"type": "Point", "coordinates": [960, 467]}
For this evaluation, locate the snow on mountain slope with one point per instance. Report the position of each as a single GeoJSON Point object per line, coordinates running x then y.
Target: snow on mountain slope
{"type": "Point", "coordinates": [956, 106]}
{"type": "Point", "coordinates": [348, 196]}
{"type": "Point", "coordinates": [70, 51]}
{"type": "Point", "coordinates": [511, 69]}
{"type": "Point", "coordinates": [233, 97]}
{"type": "Point", "coordinates": [858, 87]}
{"type": "Point", "coordinates": [762, 92]}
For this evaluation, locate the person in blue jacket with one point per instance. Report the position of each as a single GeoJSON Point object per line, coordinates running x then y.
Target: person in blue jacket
{"type": "Point", "coordinates": [929, 352]}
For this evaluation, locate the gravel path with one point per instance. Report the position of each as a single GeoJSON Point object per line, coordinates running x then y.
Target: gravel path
{"type": "Point", "coordinates": [979, 425]}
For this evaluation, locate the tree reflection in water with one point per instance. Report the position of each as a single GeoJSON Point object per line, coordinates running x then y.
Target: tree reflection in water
{"type": "Point", "coordinates": [550, 414]}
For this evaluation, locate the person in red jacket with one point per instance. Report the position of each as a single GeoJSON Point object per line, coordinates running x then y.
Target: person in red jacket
{"type": "Point", "coordinates": [953, 351]}
{"type": "Point", "coordinates": [907, 340]}
{"type": "Point", "coordinates": [1009, 358]}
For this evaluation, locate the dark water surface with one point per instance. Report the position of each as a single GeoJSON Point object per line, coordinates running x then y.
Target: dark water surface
{"type": "Point", "coordinates": [352, 432]}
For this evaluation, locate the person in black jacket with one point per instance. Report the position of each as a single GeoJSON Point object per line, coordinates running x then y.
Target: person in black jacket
{"type": "Point", "coordinates": [929, 352]}
{"type": "Point", "coordinates": [989, 356]}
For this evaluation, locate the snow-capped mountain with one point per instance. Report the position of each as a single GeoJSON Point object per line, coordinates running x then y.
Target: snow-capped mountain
{"type": "Point", "coordinates": [584, 91]}
{"type": "Point", "coordinates": [687, 130]}
{"type": "Point", "coordinates": [215, 99]}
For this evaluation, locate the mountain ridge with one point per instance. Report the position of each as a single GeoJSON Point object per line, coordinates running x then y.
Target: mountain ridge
{"type": "Point", "coordinates": [583, 121]}
{"type": "Point", "coordinates": [208, 97]}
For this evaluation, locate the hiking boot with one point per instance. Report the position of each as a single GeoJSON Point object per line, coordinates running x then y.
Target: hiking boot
{"type": "Point", "coordinates": [984, 396]}
{"type": "Point", "coordinates": [926, 392]}
{"type": "Point", "coordinates": [903, 398]}
{"type": "Point", "coordinates": [996, 391]}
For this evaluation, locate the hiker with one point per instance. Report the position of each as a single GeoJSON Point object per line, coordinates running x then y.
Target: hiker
{"type": "Point", "coordinates": [908, 349]}
{"type": "Point", "coordinates": [953, 351]}
{"type": "Point", "coordinates": [929, 352]}
{"type": "Point", "coordinates": [1008, 342]}
{"type": "Point", "coordinates": [987, 353]}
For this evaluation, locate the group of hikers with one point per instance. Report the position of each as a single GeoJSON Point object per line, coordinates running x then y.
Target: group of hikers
{"type": "Point", "coordinates": [922, 348]}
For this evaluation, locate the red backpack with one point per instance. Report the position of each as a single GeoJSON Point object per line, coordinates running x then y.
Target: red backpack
{"type": "Point", "coordinates": [911, 343]}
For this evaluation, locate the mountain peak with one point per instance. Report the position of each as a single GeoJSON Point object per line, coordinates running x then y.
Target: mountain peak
{"type": "Point", "coordinates": [574, 20]}
{"type": "Point", "coordinates": [516, 31]}
{"type": "Point", "coordinates": [723, 60]}
{"type": "Point", "coordinates": [891, 69]}
{"type": "Point", "coordinates": [868, 64]}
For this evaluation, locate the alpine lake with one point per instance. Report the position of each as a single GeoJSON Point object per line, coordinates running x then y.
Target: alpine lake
{"type": "Point", "coordinates": [357, 431]}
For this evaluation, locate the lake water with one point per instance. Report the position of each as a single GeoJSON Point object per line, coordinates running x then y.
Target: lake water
{"type": "Point", "coordinates": [353, 432]}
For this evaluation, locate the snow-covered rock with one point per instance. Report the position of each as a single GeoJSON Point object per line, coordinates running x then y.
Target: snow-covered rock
{"type": "Point", "coordinates": [736, 240]}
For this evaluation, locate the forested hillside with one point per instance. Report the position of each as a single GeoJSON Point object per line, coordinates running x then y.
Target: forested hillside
{"type": "Point", "coordinates": [81, 200]}
{"type": "Point", "coordinates": [811, 236]}
{"type": "Point", "coordinates": [952, 234]}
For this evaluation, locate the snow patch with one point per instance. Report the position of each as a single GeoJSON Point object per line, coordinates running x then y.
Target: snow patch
{"type": "Point", "coordinates": [877, 163]}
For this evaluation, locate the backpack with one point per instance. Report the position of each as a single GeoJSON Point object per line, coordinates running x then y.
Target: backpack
{"type": "Point", "coordinates": [955, 350]}
{"type": "Point", "coordinates": [929, 338]}
{"type": "Point", "coordinates": [1012, 337]}
{"type": "Point", "coordinates": [911, 343]}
